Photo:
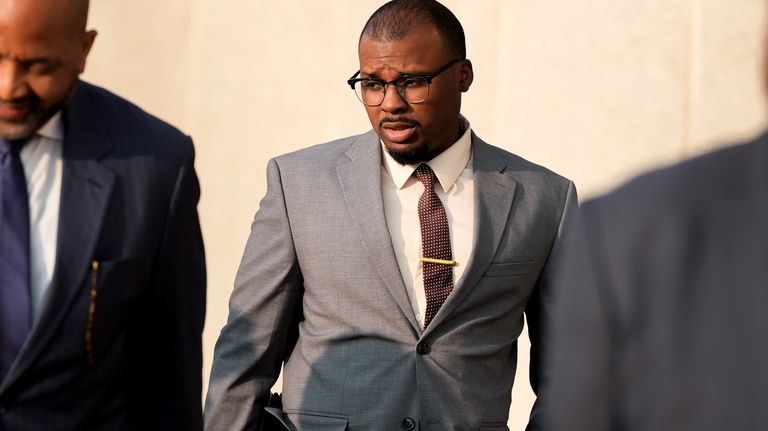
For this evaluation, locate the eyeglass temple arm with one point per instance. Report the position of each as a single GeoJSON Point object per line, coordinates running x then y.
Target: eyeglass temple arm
{"type": "Point", "coordinates": [351, 80]}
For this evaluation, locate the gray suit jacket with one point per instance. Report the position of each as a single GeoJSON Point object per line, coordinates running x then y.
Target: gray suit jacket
{"type": "Point", "coordinates": [319, 290]}
{"type": "Point", "coordinates": [662, 323]}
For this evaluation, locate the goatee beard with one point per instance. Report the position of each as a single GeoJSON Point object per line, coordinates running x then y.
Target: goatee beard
{"type": "Point", "coordinates": [411, 156]}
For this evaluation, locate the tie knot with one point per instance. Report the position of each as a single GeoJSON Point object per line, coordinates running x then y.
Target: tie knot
{"type": "Point", "coordinates": [426, 175]}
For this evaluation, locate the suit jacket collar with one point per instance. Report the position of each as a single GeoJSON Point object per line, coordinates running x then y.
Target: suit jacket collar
{"type": "Point", "coordinates": [447, 166]}
{"type": "Point", "coordinates": [85, 191]}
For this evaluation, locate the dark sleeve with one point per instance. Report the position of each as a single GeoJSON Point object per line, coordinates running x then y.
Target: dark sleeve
{"type": "Point", "coordinates": [579, 395]}
{"type": "Point", "coordinates": [264, 312]}
{"type": "Point", "coordinates": [166, 362]}
{"type": "Point", "coordinates": [540, 309]}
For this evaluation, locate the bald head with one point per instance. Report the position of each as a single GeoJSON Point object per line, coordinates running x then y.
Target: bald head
{"type": "Point", "coordinates": [68, 15]}
{"type": "Point", "coordinates": [43, 48]}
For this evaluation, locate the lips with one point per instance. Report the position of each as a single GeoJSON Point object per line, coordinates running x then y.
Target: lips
{"type": "Point", "coordinates": [14, 111]}
{"type": "Point", "coordinates": [398, 131]}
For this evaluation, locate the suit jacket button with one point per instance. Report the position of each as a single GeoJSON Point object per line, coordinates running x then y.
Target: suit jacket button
{"type": "Point", "coordinates": [423, 348]}
{"type": "Point", "coordinates": [408, 424]}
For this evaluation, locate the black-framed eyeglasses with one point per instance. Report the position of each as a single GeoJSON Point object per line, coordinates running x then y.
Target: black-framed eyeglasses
{"type": "Point", "coordinates": [413, 88]}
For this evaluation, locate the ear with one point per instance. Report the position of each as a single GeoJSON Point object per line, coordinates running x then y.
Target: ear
{"type": "Point", "coordinates": [467, 76]}
{"type": "Point", "coordinates": [85, 47]}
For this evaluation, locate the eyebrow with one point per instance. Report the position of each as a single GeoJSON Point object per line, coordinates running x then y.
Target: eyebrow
{"type": "Point", "coordinates": [47, 61]}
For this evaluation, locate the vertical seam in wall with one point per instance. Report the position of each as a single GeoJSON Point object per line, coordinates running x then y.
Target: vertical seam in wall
{"type": "Point", "coordinates": [692, 76]}
{"type": "Point", "coordinates": [501, 120]}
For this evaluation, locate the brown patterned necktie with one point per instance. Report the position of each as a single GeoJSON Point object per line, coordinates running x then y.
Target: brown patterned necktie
{"type": "Point", "coordinates": [437, 262]}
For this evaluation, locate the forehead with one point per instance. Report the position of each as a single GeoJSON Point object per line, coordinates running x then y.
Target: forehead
{"type": "Point", "coordinates": [420, 50]}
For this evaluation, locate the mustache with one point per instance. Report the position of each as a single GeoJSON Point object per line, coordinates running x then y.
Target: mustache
{"type": "Point", "coordinates": [18, 101]}
{"type": "Point", "coordinates": [405, 120]}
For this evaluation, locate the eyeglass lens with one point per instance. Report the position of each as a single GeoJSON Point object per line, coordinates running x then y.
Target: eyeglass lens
{"type": "Point", "coordinates": [412, 89]}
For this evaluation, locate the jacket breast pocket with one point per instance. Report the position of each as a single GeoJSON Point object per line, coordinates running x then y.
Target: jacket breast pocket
{"type": "Point", "coordinates": [510, 269]}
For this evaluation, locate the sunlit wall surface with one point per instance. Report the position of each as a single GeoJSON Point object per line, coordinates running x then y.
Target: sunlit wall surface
{"type": "Point", "coordinates": [596, 90]}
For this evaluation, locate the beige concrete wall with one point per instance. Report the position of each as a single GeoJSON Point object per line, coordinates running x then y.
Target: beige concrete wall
{"type": "Point", "coordinates": [594, 89]}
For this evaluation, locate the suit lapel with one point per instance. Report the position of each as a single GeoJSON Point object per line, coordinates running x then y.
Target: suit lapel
{"type": "Point", "coordinates": [494, 193]}
{"type": "Point", "coordinates": [85, 191]}
{"type": "Point", "coordinates": [360, 179]}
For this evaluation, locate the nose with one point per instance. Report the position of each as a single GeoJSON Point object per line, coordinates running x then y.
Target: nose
{"type": "Point", "coordinates": [393, 102]}
{"type": "Point", "coordinates": [12, 84]}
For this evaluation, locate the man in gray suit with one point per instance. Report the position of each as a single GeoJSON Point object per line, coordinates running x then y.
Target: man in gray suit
{"type": "Point", "coordinates": [661, 319]}
{"type": "Point", "coordinates": [389, 272]}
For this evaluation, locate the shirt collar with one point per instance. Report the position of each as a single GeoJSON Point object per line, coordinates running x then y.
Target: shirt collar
{"type": "Point", "coordinates": [53, 129]}
{"type": "Point", "coordinates": [447, 166]}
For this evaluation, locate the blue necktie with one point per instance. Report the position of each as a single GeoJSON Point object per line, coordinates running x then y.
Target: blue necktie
{"type": "Point", "coordinates": [15, 307]}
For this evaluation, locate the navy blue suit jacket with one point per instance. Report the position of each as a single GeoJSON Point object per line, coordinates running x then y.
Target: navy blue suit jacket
{"type": "Point", "coordinates": [117, 345]}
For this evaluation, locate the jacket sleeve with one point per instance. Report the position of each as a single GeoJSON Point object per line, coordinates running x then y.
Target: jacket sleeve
{"type": "Point", "coordinates": [264, 312]}
{"type": "Point", "coordinates": [540, 309]}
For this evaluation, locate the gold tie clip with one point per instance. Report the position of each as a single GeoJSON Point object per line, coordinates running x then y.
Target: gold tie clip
{"type": "Point", "coordinates": [439, 261]}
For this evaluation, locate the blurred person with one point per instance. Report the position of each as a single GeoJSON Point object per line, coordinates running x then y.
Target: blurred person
{"type": "Point", "coordinates": [662, 324]}
{"type": "Point", "coordinates": [661, 320]}
{"type": "Point", "coordinates": [102, 276]}
{"type": "Point", "coordinates": [389, 272]}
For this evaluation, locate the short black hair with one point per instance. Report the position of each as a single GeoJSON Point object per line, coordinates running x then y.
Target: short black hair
{"type": "Point", "coordinates": [396, 18]}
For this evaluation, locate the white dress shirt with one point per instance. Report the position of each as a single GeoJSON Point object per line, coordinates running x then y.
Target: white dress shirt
{"type": "Point", "coordinates": [401, 191]}
{"type": "Point", "coordinates": [42, 161]}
